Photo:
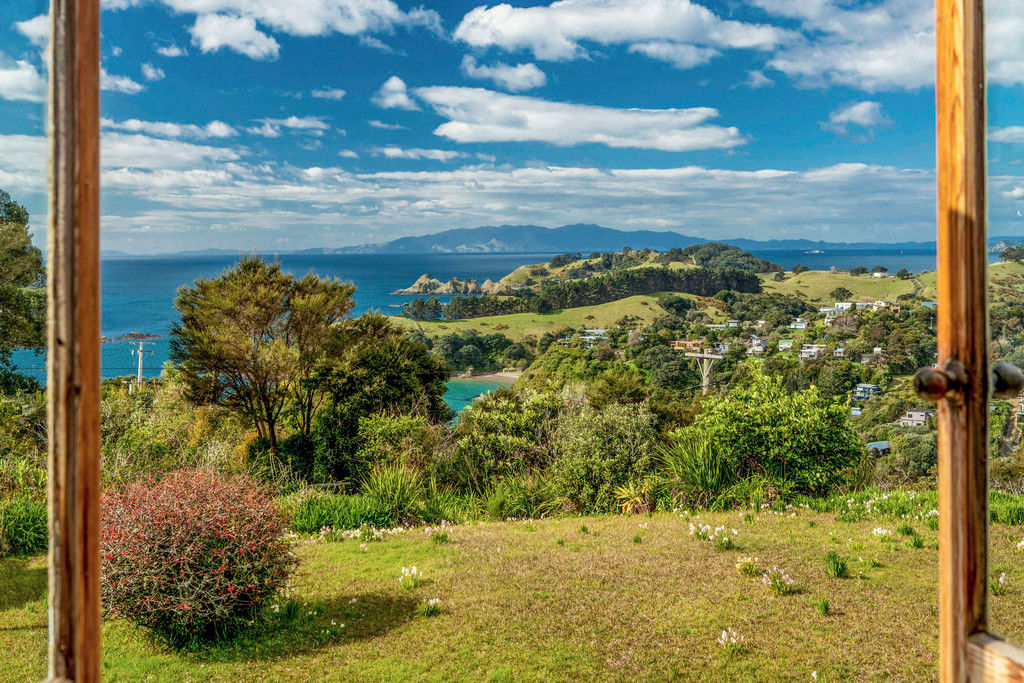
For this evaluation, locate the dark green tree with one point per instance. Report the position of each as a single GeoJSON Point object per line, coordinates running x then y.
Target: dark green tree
{"type": "Point", "coordinates": [253, 338]}
{"type": "Point", "coordinates": [22, 295]}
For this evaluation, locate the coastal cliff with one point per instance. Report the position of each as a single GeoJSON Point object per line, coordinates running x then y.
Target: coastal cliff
{"type": "Point", "coordinates": [429, 285]}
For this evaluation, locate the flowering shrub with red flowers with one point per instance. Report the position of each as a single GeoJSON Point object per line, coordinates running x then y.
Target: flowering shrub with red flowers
{"type": "Point", "coordinates": [194, 555]}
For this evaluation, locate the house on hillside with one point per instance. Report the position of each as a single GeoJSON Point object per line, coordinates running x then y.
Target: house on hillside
{"type": "Point", "coordinates": [864, 391]}
{"type": "Point", "coordinates": [843, 306]}
{"type": "Point", "coordinates": [799, 324]}
{"type": "Point", "coordinates": [687, 344]}
{"type": "Point", "coordinates": [587, 338]}
{"type": "Point", "coordinates": [876, 356]}
{"type": "Point", "coordinates": [930, 304]}
{"type": "Point", "coordinates": [917, 417]}
{"type": "Point", "coordinates": [811, 351]}
{"type": "Point", "coordinates": [715, 327]}
{"type": "Point", "coordinates": [838, 352]}
{"type": "Point", "coordinates": [732, 323]}
{"type": "Point", "coordinates": [881, 305]}
{"type": "Point", "coordinates": [785, 344]}
{"type": "Point", "coordinates": [756, 346]}
{"type": "Point", "coordinates": [863, 305]}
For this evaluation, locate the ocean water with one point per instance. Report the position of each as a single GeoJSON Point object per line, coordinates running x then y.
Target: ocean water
{"type": "Point", "coordinates": [463, 391]}
{"type": "Point", "coordinates": [138, 293]}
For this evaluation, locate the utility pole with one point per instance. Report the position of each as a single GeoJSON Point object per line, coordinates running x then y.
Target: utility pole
{"type": "Point", "coordinates": [140, 352]}
{"type": "Point", "coordinates": [704, 362]}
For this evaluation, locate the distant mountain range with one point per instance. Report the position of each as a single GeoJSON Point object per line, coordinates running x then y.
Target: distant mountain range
{"type": "Point", "coordinates": [581, 237]}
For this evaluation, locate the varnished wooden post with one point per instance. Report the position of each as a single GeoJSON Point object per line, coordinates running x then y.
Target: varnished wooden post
{"type": "Point", "coordinates": [962, 329]}
{"type": "Point", "coordinates": [73, 361]}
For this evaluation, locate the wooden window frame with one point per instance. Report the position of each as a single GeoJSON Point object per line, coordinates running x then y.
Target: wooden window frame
{"type": "Point", "coordinates": [967, 651]}
{"type": "Point", "coordinates": [73, 341]}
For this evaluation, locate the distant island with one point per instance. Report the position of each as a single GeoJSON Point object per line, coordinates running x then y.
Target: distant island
{"type": "Point", "coordinates": [583, 237]}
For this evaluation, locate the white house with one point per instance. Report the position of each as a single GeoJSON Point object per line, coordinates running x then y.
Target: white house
{"type": "Point", "coordinates": [843, 305]}
{"type": "Point", "coordinates": [785, 344]}
{"type": "Point", "coordinates": [799, 324]}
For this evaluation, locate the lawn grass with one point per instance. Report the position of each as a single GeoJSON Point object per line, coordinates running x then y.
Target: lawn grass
{"type": "Point", "coordinates": [518, 326]}
{"type": "Point", "coordinates": [816, 286]}
{"type": "Point", "coordinates": [545, 600]}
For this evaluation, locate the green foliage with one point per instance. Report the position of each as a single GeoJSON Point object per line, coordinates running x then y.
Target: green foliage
{"type": "Point", "coordinates": [596, 451]}
{"type": "Point", "coordinates": [396, 488]}
{"type": "Point", "coordinates": [22, 296]}
{"type": "Point", "coordinates": [253, 338]}
{"type": "Point", "coordinates": [502, 436]}
{"type": "Point", "coordinates": [764, 430]}
{"type": "Point", "coordinates": [719, 255]}
{"type": "Point", "coordinates": [1014, 253]}
{"type": "Point", "coordinates": [840, 293]}
{"type": "Point", "coordinates": [695, 470]}
{"type": "Point", "coordinates": [835, 566]}
{"type": "Point", "coordinates": [383, 372]}
{"type": "Point", "coordinates": [564, 259]}
{"type": "Point", "coordinates": [23, 526]}
{"type": "Point", "coordinates": [311, 511]}
{"type": "Point", "coordinates": [822, 607]}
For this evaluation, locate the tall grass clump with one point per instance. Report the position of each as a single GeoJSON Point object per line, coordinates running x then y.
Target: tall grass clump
{"type": "Point", "coordinates": [397, 489]}
{"type": "Point", "coordinates": [23, 526]}
{"type": "Point", "coordinates": [310, 511]}
{"type": "Point", "coordinates": [193, 556]}
{"type": "Point", "coordinates": [835, 566]}
{"type": "Point", "coordinates": [695, 470]}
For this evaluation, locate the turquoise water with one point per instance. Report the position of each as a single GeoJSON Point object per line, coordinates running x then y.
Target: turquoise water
{"type": "Point", "coordinates": [461, 392]}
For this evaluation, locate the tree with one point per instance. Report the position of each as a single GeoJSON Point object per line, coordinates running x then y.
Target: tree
{"type": "Point", "coordinates": [859, 270]}
{"type": "Point", "coordinates": [904, 274]}
{"type": "Point", "coordinates": [879, 269]}
{"type": "Point", "coordinates": [253, 338]}
{"type": "Point", "coordinates": [1014, 253]}
{"type": "Point", "coordinates": [381, 372]}
{"type": "Point", "coordinates": [840, 294]}
{"type": "Point", "coordinates": [797, 269]}
{"type": "Point", "coordinates": [22, 297]}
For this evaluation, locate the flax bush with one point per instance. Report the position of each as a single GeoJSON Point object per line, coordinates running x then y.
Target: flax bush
{"type": "Point", "coordinates": [193, 556]}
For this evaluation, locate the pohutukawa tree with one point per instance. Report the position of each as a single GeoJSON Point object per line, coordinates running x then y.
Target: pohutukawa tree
{"type": "Point", "coordinates": [253, 338]}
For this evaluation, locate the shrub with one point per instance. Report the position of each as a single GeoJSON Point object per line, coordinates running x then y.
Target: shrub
{"type": "Point", "coordinates": [396, 488]}
{"type": "Point", "coordinates": [823, 607]}
{"type": "Point", "coordinates": [763, 429]}
{"type": "Point", "coordinates": [23, 526]}
{"type": "Point", "coordinates": [598, 451]}
{"type": "Point", "coordinates": [193, 556]}
{"type": "Point", "coordinates": [835, 566]}
{"type": "Point", "coordinates": [525, 497]}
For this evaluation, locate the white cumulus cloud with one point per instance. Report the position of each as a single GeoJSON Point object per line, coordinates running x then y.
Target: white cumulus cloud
{"type": "Point", "coordinates": [515, 78]}
{"type": "Point", "coordinates": [121, 84]}
{"type": "Point", "coordinates": [271, 128]}
{"type": "Point", "coordinates": [478, 115]}
{"type": "Point", "coordinates": [679, 55]}
{"type": "Point", "coordinates": [211, 32]}
{"type": "Point", "coordinates": [865, 116]}
{"type": "Point", "coordinates": [416, 153]}
{"type": "Point", "coordinates": [20, 80]}
{"type": "Point", "coordinates": [170, 51]}
{"type": "Point", "coordinates": [165, 129]}
{"type": "Point", "coordinates": [36, 29]}
{"type": "Point", "coordinates": [328, 93]}
{"type": "Point", "coordinates": [393, 94]}
{"type": "Point", "coordinates": [1010, 134]}
{"type": "Point", "coordinates": [152, 73]}
{"type": "Point", "coordinates": [558, 31]}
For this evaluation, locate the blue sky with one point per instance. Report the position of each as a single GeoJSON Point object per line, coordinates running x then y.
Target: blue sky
{"type": "Point", "coordinates": [285, 125]}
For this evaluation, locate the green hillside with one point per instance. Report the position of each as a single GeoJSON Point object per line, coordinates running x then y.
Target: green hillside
{"type": "Point", "coordinates": [518, 326]}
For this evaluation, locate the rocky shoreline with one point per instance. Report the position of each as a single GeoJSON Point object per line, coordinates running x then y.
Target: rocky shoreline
{"type": "Point", "coordinates": [426, 284]}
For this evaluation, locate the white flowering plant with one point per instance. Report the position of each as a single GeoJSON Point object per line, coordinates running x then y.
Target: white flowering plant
{"type": "Point", "coordinates": [411, 578]}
